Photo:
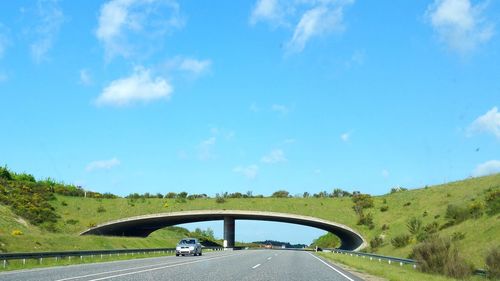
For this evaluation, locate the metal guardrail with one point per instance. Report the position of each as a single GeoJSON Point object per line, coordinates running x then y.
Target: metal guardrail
{"type": "Point", "coordinates": [389, 259]}
{"type": "Point", "coordinates": [5, 257]}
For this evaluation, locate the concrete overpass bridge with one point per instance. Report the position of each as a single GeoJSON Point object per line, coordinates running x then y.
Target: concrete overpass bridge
{"type": "Point", "coordinates": [142, 226]}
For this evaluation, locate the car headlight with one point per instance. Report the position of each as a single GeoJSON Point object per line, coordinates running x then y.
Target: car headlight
{"type": "Point", "coordinates": [191, 248]}
{"type": "Point", "coordinates": [178, 248]}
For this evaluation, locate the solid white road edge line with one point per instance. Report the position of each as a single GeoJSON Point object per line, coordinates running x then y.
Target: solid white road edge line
{"type": "Point", "coordinates": [255, 266]}
{"type": "Point", "coordinates": [325, 263]}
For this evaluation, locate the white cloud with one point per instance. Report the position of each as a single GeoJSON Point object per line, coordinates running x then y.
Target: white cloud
{"type": "Point", "coordinates": [249, 172]}
{"type": "Point", "coordinates": [315, 22]}
{"type": "Point", "coordinates": [102, 164]}
{"type": "Point", "coordinates": [310, 18]}
{"type": "Point", "coordinates": [50, 18]}
{"type": "Point", "coordinates": [195, 66]}
{"type": "Point", "coordinates": [205, 148]}
{"type": "Point", "coordinates": [487, 168]}
{"type": "Point", "coordinates": [487, 123]}
{"type": "Point", "coordinates": [280, 108]}
{"type": "Point", "coordinates": [139, 87]}
{"type": "Point", "coordinates": [275, 156]}
{"type": "Point", "coordinates": [130, 27]}
{"type": "Point", "coordinates": [266, 10]}
{"type": "Point", "coordinates": [459, 24]}
{"type": "Point", "coordinates": [85, 77]}
{"type": "Point", "coordinates": [345, 136]}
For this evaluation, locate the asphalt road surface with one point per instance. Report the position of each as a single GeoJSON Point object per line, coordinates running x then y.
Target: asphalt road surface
{"type": "Point", "coordinates": [251, 265]}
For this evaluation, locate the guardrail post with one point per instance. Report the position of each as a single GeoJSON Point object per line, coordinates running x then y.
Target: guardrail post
{"type": "Point", "coordinates": [69, 258]}
{"type": "Point", "coordinates": [401, 263]}
{"type": "Point", "coordinates": [4, 263]}
{"type": "Point", "coordinates": [414, 266]}
{"type": "Point", "coordinates": [57, 259]}
{"type": "Point", "coordinates": [24, 261]}
{"type": "Point", "coordinates": [41, 260]}
{"type": "Point", "coordinates": [389, 261]}
{"type": "Point", "coordinates": [101, 256]}
{"type": "Point", "coordinates": [81, 258]}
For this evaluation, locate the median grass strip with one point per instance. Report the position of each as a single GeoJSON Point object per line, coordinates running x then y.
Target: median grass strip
{"type": "Point", "coordinates": [391, 272]}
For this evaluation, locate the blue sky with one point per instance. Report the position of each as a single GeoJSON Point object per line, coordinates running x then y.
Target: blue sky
{"type": "Point", "coordinates": [210, 96]}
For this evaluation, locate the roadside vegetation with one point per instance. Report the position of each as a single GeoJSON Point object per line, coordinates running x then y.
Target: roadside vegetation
{"type": "Point", "coordinates": [391, 272]}
{"type": "Point", "coordinates": [40, 215]}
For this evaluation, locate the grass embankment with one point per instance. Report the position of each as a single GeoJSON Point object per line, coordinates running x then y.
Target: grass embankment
{"type": "Point", "coordinates": [392, 272]}
{"type": "Point", "coordinates": [427, 204]}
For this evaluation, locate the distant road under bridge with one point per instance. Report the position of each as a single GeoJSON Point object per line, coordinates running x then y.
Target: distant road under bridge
{"type": "Point", "coordinates": [142, 226]}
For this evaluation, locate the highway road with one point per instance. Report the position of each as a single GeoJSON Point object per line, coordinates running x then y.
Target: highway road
{"type": "Point", "coordinates": [251, 265]}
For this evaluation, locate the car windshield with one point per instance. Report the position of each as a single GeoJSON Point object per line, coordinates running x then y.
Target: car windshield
{"type": "Point", "coordinates": [188, 241]}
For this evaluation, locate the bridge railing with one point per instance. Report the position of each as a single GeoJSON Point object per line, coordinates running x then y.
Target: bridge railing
{"type": "Point", "coordinates": [40, 256]}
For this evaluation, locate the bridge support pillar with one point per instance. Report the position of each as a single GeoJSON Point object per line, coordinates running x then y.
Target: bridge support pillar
{"type": "Point", "coordinates": [228, 232]}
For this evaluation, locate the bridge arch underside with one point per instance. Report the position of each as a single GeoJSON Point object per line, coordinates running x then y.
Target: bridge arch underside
{"type": "Point", "coordinates": [143, 226]}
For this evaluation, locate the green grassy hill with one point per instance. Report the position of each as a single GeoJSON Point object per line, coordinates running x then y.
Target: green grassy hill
{"type": "Point", "coordinates": [427, 204]}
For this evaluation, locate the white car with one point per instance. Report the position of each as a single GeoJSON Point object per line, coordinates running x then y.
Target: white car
{"type": "Point", "coordinates": [188, 246]}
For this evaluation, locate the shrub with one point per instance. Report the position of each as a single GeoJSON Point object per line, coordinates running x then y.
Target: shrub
{"type": "Point", "coordinates": [5, 173]}
{"type": "Point", "coordinates": [493, 263]}
{"type": "Point", "coordinates": [91, 224]}
{"type": "Point", "coordinates": [476, 209]}
{"type": "Point", "coordinates": [423, 236]}
{"type": "Point", "coordinates": [337, 192]}
{"type": "Point", "coordinates": [219, 199]}
{"type": "Point", "coordinates": [406, 204]}
{"type": "Point", "coordinates": [171, 195]}
{"type": "Point", "coordinates": [165, 205]}
{"type": "Point", "coordinates": [101, 209]}
{"type": "Point", "coordinates": [63, 203]}
{"type": "Point", "coordinates": [72, 221]}
{"type": "Point", "coordinates": [414, 225]}
{"type": "Point", "coordinates": [401, 241]}
{"type": "Point", "coordinates": [362, 200]}
{"type": "Point", "coordinates": [366, 220]}
{"type": "Point", "coordinates": [16, 232]}
{"type": "Point", "coordinates": [376, 242]}
{"type": "Point", "coordinates": [384, 208]}
{"type": "Point", "coordinates": [439, 255]}
{"type": "Point", "coordinates": [385, 227]}
{"type": "Point", "coordinates": [425, 214]}
{"type": "Point", "coordinates": [493, 202]}
{"type": "Point", "coordinates": [457, 213]}
{"type": "Point", "coordinates": [457, 236]}
{"type": "Point", "coordinates": [182, 195]}
{"type": "Point", "coordinates": [432, 227]}
{"type": "Point", "coordinates": [24, 177]}
{"type": "Point", "coordinates": [280, 194]}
